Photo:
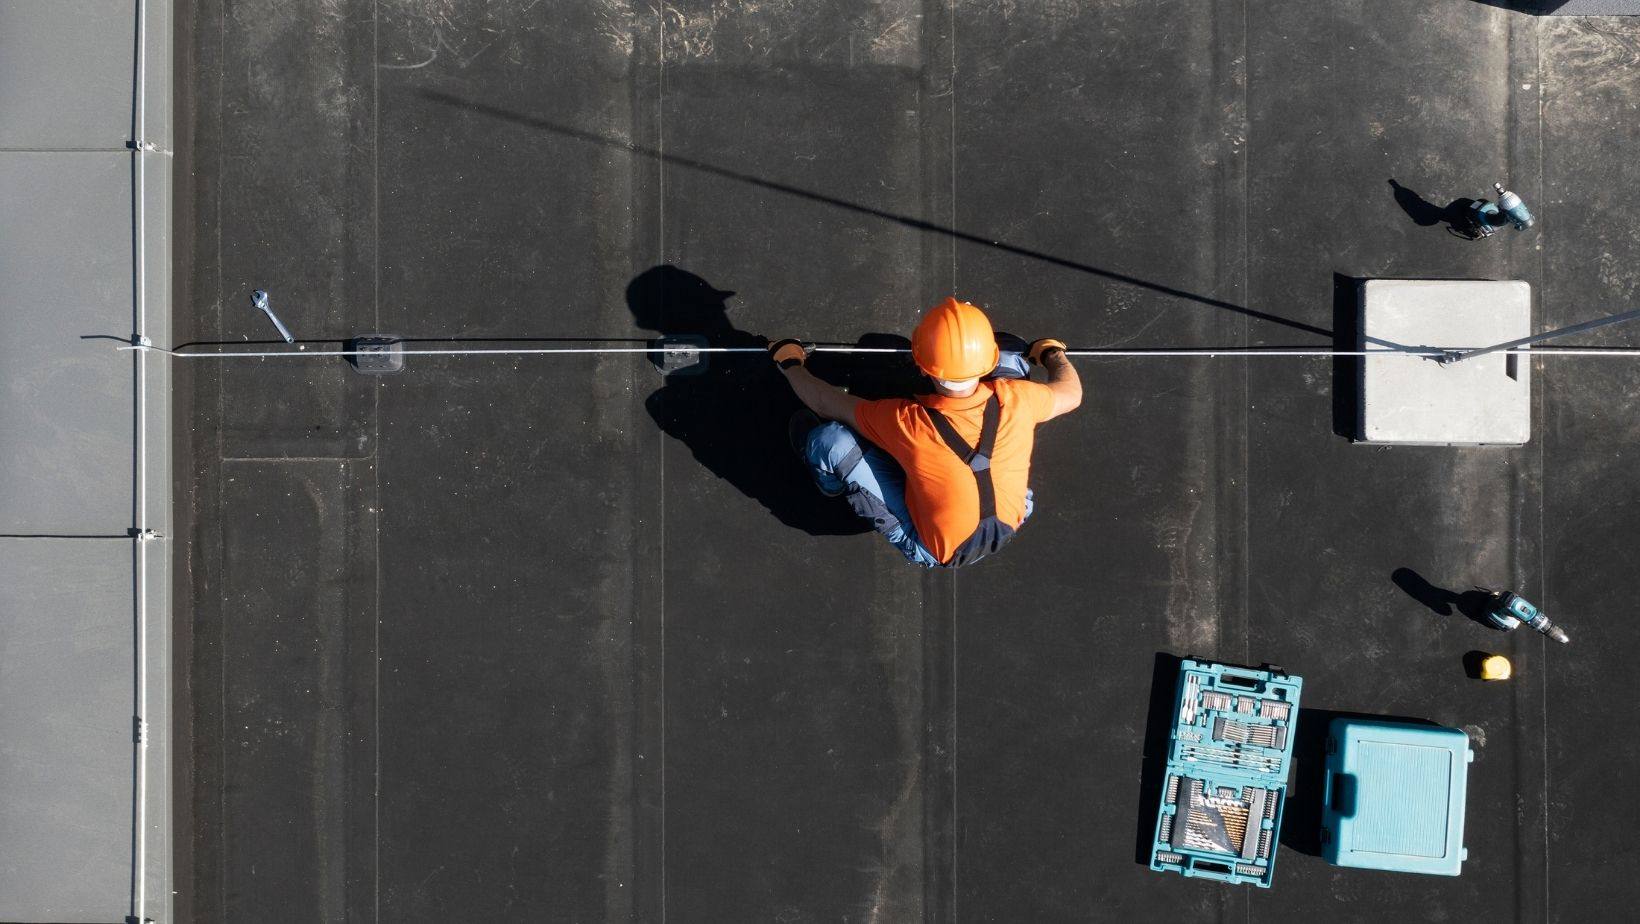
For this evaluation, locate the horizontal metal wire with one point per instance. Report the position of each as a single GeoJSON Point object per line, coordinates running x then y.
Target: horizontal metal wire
{"type": "Point", "coordinates": [1092, 353]}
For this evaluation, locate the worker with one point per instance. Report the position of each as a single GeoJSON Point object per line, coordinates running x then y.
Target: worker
{"type": "Point", "coordinates": [943, 476]}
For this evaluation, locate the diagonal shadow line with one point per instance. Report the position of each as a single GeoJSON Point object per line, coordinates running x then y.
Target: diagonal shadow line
{"type": "Point", "coordinates": [342, 341]}
{"type": "Point", "coordinates": [905, 220]}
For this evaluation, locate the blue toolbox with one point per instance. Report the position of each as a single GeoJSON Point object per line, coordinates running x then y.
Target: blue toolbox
{"type": "Point", "coordinates": [1395, 796]}
{"type": "Point", "coordinates": [1227, 763]}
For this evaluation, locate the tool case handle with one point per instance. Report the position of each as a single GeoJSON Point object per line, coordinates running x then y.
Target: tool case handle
{"type": "Point", "coordinates": [1249, 681]}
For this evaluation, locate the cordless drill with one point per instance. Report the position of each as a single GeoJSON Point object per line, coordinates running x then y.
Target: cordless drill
{"type": "Point", "coordinates": [1510, 609]}
{"type": "Point", "coordinates": [1489, 216]}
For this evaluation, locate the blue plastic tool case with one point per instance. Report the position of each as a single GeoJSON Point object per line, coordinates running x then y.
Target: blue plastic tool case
{"type": "Point", "coordinates": [1395, 796]}
{"type": "Point", "coordinates": [1226, 783]}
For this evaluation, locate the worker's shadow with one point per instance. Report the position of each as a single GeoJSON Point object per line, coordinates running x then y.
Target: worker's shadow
{"type": "Point", "coordinates": [1456, 215]}
{"type": "Point", "coordinates": [733, 415]}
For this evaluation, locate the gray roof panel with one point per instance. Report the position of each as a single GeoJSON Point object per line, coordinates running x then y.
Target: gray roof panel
{"type": "Point", "coordinates": [65, 403]}
{"type": "Point", "coordinates": [65, 74]}
{"type": "Point", "coordinates": [66, 758]}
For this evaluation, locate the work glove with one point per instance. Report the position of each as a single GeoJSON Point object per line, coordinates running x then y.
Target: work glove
{"type": "Point", "coordinates": [788, 353]}
{"type": "Point", "coordinates": [1040, 348]}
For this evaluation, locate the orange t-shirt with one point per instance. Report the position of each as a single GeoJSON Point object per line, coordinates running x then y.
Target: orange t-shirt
{"type": "Point", "coordinates": [939, 487]}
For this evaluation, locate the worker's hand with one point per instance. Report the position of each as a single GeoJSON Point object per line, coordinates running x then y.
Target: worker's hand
{"type": "Point", "coordinates": [1041, 348]}
{"type": "Point", "coordinates": [788, 353]}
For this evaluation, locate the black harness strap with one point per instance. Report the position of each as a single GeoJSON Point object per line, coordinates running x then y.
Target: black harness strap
{"type": "Point", "coordinates": [977, 458]}
{"type": "Point", "coordinates": [854, 457]}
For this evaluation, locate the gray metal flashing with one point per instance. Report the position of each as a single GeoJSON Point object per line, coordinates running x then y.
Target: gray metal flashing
{"type": "Point", "coordinates": [1591, 8]}
{"type": "Point", "coordinates": [85, 682]}
{"type": "Point", "coordinates": [66, 439]}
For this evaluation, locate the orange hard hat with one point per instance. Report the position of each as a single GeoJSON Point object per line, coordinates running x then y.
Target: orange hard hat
{"type": "Point", "coordinates": [954, 341]}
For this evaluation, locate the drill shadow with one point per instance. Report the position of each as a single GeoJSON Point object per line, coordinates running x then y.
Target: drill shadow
{"type": "Point", "coordinates": [1474, 604]}
{"type": "Point", "coordinates": [733, 415]}
{"type": "Point", "coordinates": [1456, 215]}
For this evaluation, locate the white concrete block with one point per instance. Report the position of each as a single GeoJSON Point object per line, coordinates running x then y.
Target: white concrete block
{"type": "Point", "coordinates": [1482, 401]}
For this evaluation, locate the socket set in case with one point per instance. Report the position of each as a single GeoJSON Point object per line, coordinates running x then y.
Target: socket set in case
{"type": "Point", "coordinates": [1227, 762]}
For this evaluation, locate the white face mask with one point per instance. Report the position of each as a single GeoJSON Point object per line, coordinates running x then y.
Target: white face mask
{"type": "Point", "coordinates": [956, 387]}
